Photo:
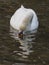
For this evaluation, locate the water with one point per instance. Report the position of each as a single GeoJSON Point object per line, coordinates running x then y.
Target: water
{"type": "Point", "coordinates": [12, 51]}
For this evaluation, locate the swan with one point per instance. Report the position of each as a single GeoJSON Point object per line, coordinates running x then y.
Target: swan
{"type": "Point", "coordinates": [24, 19]}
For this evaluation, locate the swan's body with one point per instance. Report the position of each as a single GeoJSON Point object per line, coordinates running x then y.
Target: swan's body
{"type": "Point", "coordinates": [24, 20]}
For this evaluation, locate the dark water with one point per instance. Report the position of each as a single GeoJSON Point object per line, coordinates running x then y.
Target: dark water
{"type": "Point", "coordinates": [11, 51]}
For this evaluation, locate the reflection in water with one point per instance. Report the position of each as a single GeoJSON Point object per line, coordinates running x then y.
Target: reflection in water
{"type": "Point", "coordinates": [14, 53]}
{"type": "Point", "coordinates": [25, 43]}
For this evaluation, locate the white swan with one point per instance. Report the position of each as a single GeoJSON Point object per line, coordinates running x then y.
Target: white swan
{"type": "Point", "coordinates": [24, 19]}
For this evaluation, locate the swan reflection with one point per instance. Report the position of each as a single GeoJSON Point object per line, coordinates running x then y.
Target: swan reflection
{"type": "Point", "coordinates": [26, 44]}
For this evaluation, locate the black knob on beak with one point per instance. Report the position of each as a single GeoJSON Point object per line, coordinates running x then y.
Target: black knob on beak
{"type": "Point", "coordinates": [20, 35]}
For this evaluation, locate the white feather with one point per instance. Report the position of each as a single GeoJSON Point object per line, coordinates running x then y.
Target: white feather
{"type": "Point", "coordinates": [24, 19]}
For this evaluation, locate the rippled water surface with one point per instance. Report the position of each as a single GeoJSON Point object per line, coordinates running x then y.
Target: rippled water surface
{"type": "Point", "coordinates": [24, 52]}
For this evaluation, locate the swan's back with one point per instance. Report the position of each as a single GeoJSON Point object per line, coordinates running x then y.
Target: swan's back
{"type": "Point", "coordinates": [24, 19]}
